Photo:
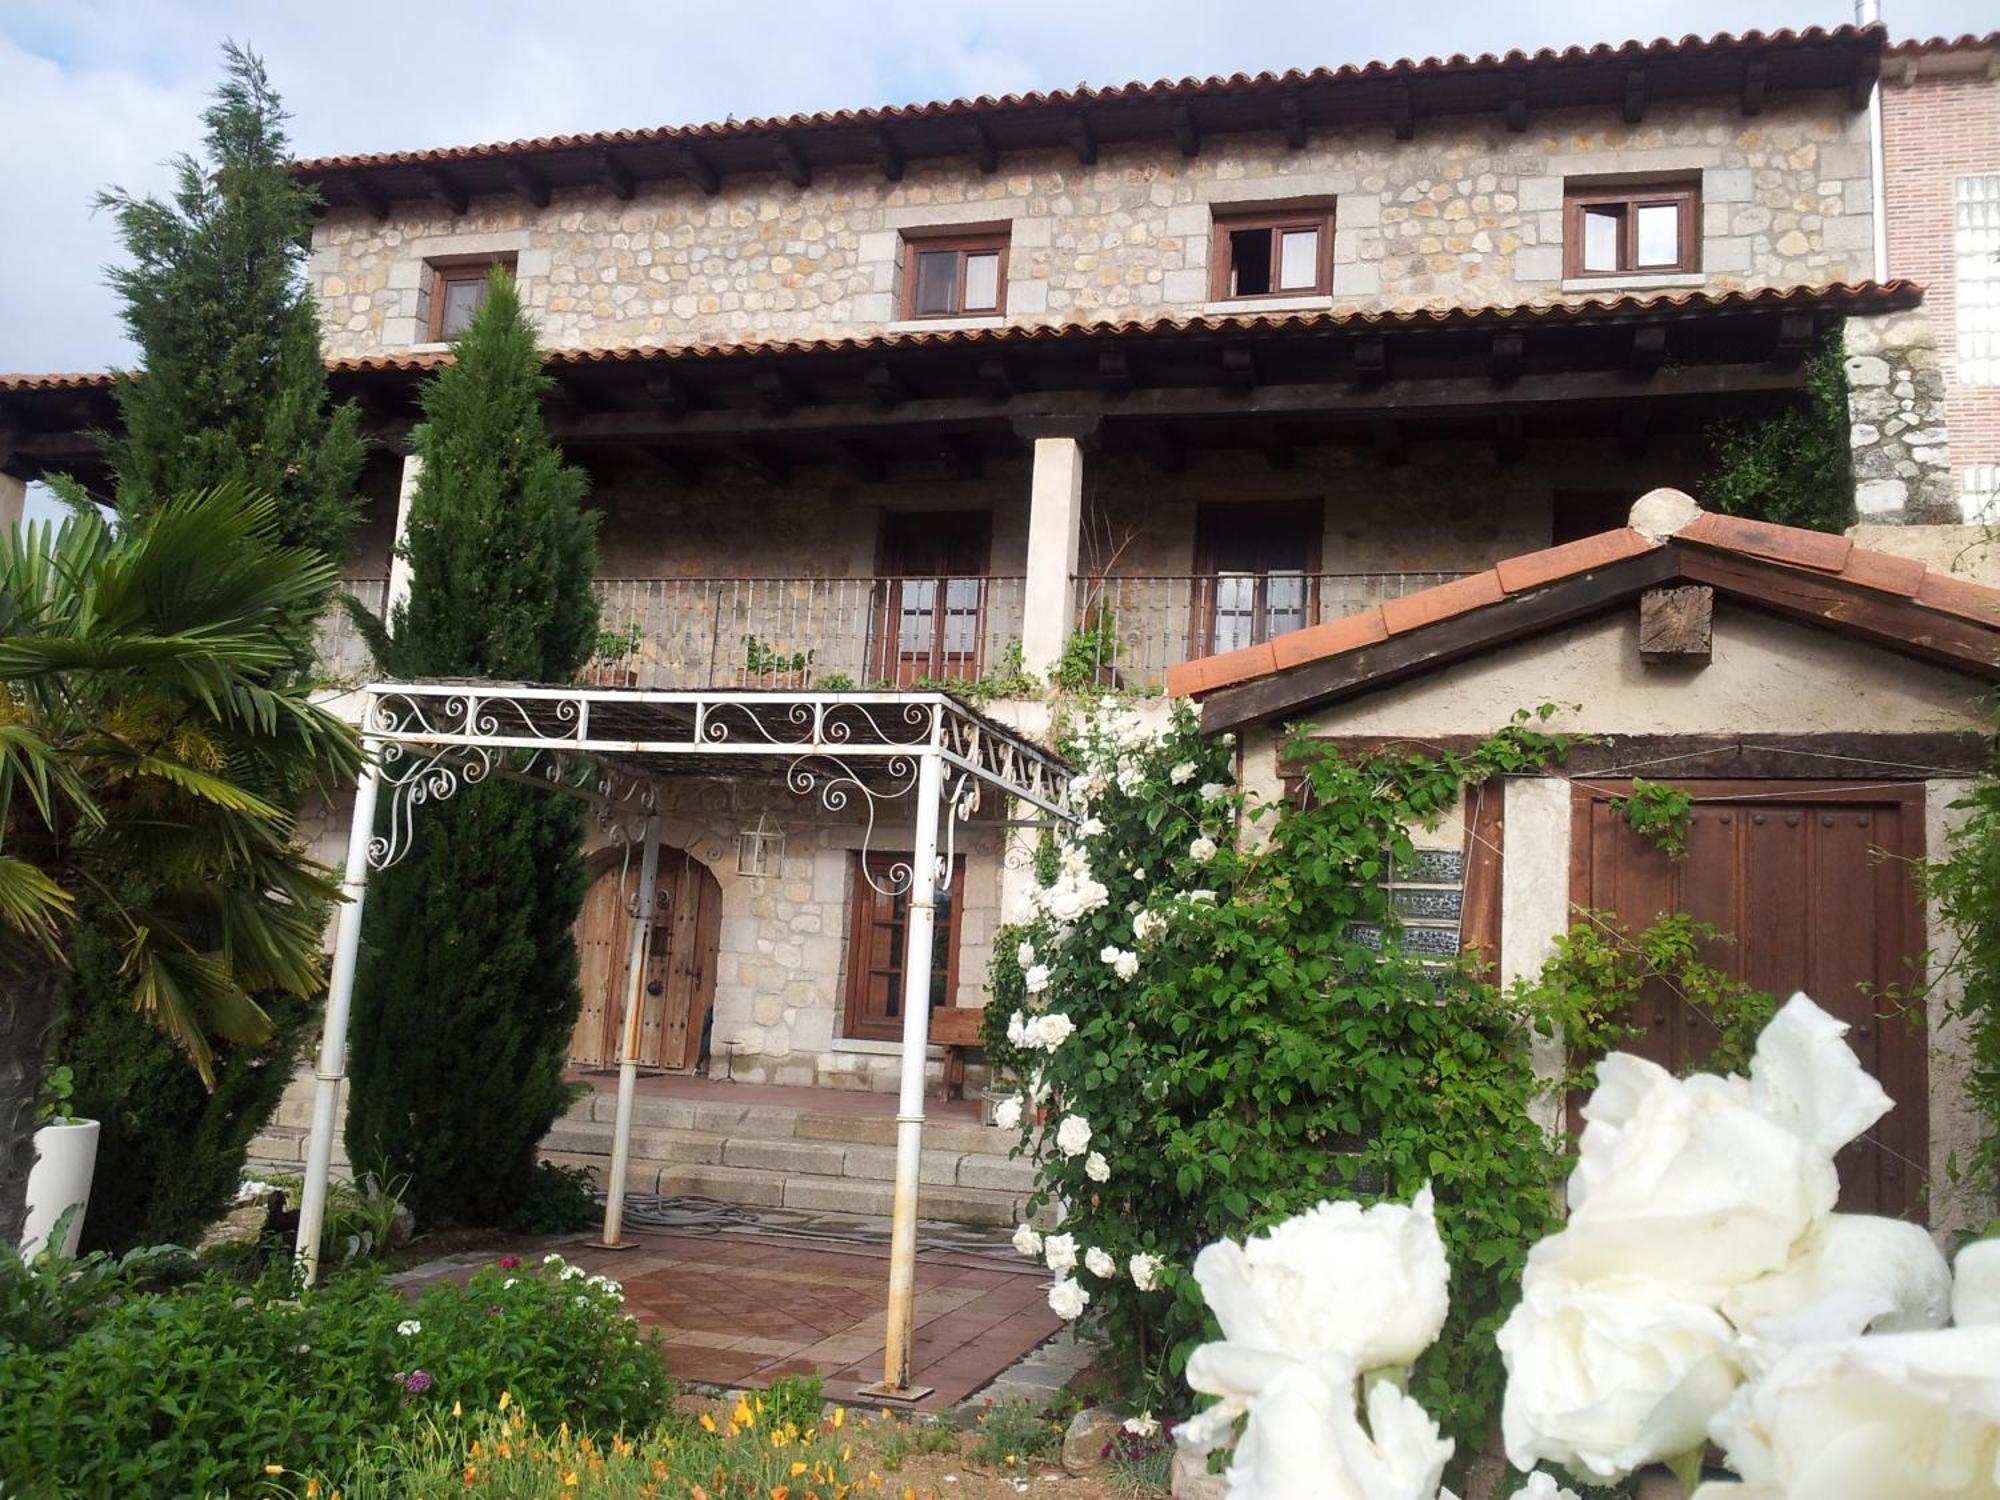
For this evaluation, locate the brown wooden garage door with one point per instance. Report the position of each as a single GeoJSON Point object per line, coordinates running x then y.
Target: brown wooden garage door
{"type": "Point", "coordinates": [1795, 871]}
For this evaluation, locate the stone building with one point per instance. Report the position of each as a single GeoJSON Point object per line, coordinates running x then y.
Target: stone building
{"type": "Point", "coordinates": [1086, 385]}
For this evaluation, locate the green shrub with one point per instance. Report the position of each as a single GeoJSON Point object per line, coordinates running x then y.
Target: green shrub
{"type": "Point", "coordinates": [797, 1401]}
{"type": "Point", "coordinates": [197, 1392]}
{"type": "Point", "coordinates": [46, 1302]}
{"type": "Point", "coordinates": [558, 1200]}
{"type": "Point", "coordinates": [1012, 1431]}
{"type": "Point", "coordinates": [1794, 466]}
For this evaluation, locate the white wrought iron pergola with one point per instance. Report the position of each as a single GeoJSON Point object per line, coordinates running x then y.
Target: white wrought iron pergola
{"type": "Point", "coordinates": [426, 741]}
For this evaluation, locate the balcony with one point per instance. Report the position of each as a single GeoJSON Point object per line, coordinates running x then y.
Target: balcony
{"type": "Point", "coordinates": [1129, 630]}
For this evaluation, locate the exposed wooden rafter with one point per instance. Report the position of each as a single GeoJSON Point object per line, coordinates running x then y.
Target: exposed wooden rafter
{"type": "Point", "coordinates": [1114, 370]}
{"type": "Point", "coordinates": [791, 161]}
{"type": "Point", "coordinates": [979, 146]}
{"type": "Point", "coordinates": [888, 155]}
{"type": "Point", "coordinates": [1165, 448]}
{"type": "Point", "coordinates": [1292, 118]}
{"type": "Point", "coordinates": [699, 170]}
{"type": "Point", "coordinates": [1371, 360]}
{"type": "Point", "coordinates": [1187, 131]}
{"type": "Point", "coordinates": [887, 385]}
{"type": "Point", "coordinates": [1756, 81]}
{"type": "Point", "coordinates": [1649, 347]}
{"type": "Point", "coordinates": [1517, 103]}
{"type": "Point", "coordinates": [1796, 331]}
{"type": "Point", "coordinates": [1278, 450]}
{"type": "Point", "coordinates": [1001, 376]}
{"type": "Point", "coordinates": [1633, 107]}
{"type": "Point", "coordinates": [363, 192]}
{"type": "Point", "coordinates": [1239, 366]}
{"type": "Point", "coordinates": [778, 391]}
{"type": "Point", "coordinates": [864, 462]}
{"type": "Point", "coordinates": [1509, 350]}
{"type": "Point", "coordinates": [444, 188]}
{"type": "Point", "coordinates": [1402, 113]}
{"type": "Point", "coordinates": [669, 393]}
{"type": "Point", "coordinates": [961, 456]}
{"type": "Point", "coordinates": [615, 175]}
{"type": "Point", "coordinates": [1082, 139]}
{"type": "Point", "coordinates": [527, 180]}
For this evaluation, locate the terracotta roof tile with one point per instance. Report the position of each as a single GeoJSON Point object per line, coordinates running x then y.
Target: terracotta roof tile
{"type": "Point", "coordinates": [1883, 572]}
{"type": "Point", "coordinates": [1933, 45]}
{"type": "Point", "coordinates": [1348, 633]}
{"type": "Point", "coordinates": [1207, 672]}
{"type": "Point", "coordinates": [1955, 596]}
{"type": "Point", "coordinates": [1533, 569]}
{"type": "Point", "coordinates": [1427, 606]}
{"type": "Point", "coordinates": [1786, 544]}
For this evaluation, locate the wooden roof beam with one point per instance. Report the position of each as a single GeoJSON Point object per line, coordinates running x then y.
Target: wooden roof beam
{"type": "Point", "coordinates": [670, 394]}
{"type": "Point", "coordinates": [979, 146]}
{"type": "Point", "coordinates": [791, 161]}
{"type": "Point", "coordinates": [1114, 370]}
{"type": "Point", "coordinates": [1867, 69]}
{"type": "Point", "coordinates": [1164, 446]}
{"type": "Point", "coordinates": [778, 391]}
{"type": "Point", "coordinates": [1187, 131]}
{"type": "Point", "coordinates": [363, 192]}
{"type": "Point", "coordinates": [887, 385]}
{"type": "Point", "coordinates": [888, 155]}
{"type": "Point", "coordinates": [1756, 82]}
{"type": "Point", "coordinates": [1509, 353]}
{"type": "Point", "coordinates": [1402, 113]}
{"type": "Point", "coordinates": [444, 188]}
{"type": "Point", "coordinates": [1082, 139]}
{"type": "Point", "coordinates": [1239, 366]}
{"type": "Point", "coordinates": [699, 170]}
{"type": "Point", "coordinates": [1002, 377]}
{"type": "Point", "coordinates": [1517, 103]}
{"type": "Point", "coordinates": [1649, 347]}
{"type": "Point", "coordinates": [1633, 107]}
{"type": "Point", "coordinates": [615, 175]}
{"type": "Point", "coordinates": [1292, 117]}
{"type": "Point", "coordinates": [1371, 359]}
{"type": "Point", "coordinates": [1796, 332]}
{"type": "Point", "coordinates": [526, 179]}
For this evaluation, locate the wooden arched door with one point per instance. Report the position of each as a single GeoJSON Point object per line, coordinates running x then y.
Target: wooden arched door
{"type": "Point", "coordinates": [678, 986]}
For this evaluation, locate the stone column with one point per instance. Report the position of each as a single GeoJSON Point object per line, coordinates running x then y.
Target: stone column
{"type": "Point", "coordinates": [1896, 421]}
{"type": "Point", "coordinates": [1055, 520]}
{"type": "Point", "coordinates": [13, 500]}
{"type": "Point", "coordinates": [399, 567]}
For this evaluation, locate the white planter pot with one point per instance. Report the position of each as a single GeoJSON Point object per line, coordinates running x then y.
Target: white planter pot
{"type": "Point", "coordinates": [65, 1160]}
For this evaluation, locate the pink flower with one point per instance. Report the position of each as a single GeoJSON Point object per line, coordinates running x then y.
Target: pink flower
{"type": "Point", "coordinates": [417, 1382]}
{"type": "Point", "coordinates": [510, 1262]}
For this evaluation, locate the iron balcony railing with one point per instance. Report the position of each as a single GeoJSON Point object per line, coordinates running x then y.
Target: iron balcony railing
{"type": "Point", "coordinates": [672, 633]}
{"type": "Point", "coordinates": [1129, 630]}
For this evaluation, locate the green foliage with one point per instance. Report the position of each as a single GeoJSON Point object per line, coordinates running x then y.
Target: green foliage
{"type": "Point", "coordinates": [466, 992]}
{"type": "Point", "coordinates": [196, 1392]}
{"type": "Point", "coordinates": [559, 1200]}
{"type": "Point", "coordinates": [762, 658]}
{"type": "Point", "coordinates": [1965, 885]}
{"type": "Point", "coordinates": [1587, 989]}
{"type": "Point", "coordinates": [1657, 812]}
{"type": "Point", "coordinates": [795, 1401]}
{"type": "Point", "coordinates": [360, 1214]}
{"type": "Point", "coordinates": [47, 1302]}
{"type": "Point", "coordinates": [170, 1152]}
{"type": "Point", "coordinates": [58, 1089]}
{"type": "Point", "coordinates": [896, 1440]}
{"type": "Point", "coordinates": [1009, 679]}
{"type": "Point", "coordinates": [1006, 994]}
{"type": "Point", "coordinates": [1276, 1045]}
{"type": "Point", "coordinates": [1090, 655]}
{"type": "Point", "coordinates": [835, 682]}
{"type": "Point", "coordinates": [1012, 1432]}
{"type": "Point", "coordinates": [232, 390]}
{"type": "Point", "coordinates": [612, 646]}
{"type": "Point", "coordinates": [1794, 466]}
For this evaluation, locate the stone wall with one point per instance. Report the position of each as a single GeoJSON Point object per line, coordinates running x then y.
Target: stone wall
{"type": "Point", "coordinates": [1467, 212]}
{"type": "Point", "coordinates": [1896, 408]}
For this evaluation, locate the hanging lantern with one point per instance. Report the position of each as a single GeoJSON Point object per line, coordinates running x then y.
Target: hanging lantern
{"type": "Point", "coordinates": [760, 851]}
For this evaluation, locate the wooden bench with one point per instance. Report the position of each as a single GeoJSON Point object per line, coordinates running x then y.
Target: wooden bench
{"type": "Point", "coordinates": [956, 1029]}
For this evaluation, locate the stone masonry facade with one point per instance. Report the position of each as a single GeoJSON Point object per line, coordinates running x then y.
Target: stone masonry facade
{"type": "Point", "coordinates": [1897, 414]}
{"type": "Point", "coordinates": [1466, 213]}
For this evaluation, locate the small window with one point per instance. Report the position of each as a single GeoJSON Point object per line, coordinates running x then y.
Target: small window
{"type": "Point", "coordinates": [1976, 252]}
{"type": "Point", "coordinates": [456, 292]}
{"type": "Point", "coordinates": [1633, 230]}
{"type": "Point", "coordinates": [877, 927]}
{"type": "Point", "coordinates": [956, 277]}
{"type": "Point", "coordinates": [1272, 253]}
{"type": "Point", "coordinates": [1256, 572]}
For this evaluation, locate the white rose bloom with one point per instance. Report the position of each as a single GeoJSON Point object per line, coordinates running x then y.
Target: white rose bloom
{"type": "Point", "coordinates": [1202, 850]}
{"type": "Point", "coordinates": [409, 1327]}
{"type": "Point", "coordinates": [1213, 791]}
{"type": "Point", "coordinates": [1007, 1113]}
{"type": "Point", "coordinates": [1096, 1168]}
{"type": "Point", "coordinates": [1900, 1416]}
{"type": "Point", "coordinates": [1606, 1378]}
{"type": "Point", "coordinates": [1853, 1273]}
{"type": "Point", "coordinates": [1541, 1487]}
{"type": "Point", "coordinates": [1036, 979]}
{"type": "Point", "coordinates": [1145, 1425]}
{"type": "Point", "coordinates": [1027, 1242]}
{"type": "Point", "coordinates": [1201, 898]}
{"type": "Point", "coordinates": [1067, 1299]}
{"type": "Point", "coordinates": [1059, 1253]}
{"type": "Point", "coordinates": [1091, 827]}
{"type": "Point", "coordinates": [1131, 778]}
{"type": "Point", "coordinates": [1073, 1135]}
{"type": "Point", "coordinates": [1025, 954]}
{"type": "Point", "coordinates": [1099, 1263]}
{"type": "Point", "coordinates": [1019, 1029]}
{"type": "Point", "coordinates": [1123, 962]}
{"type": "Point", "coordinates": [1145, 1271]}
{"type": "Point", "coordinates": [1182, 774]}
{"type": "Point", "coordinates": [1975, 1288]}
{"type": "Point", "coordinates": [1147, 925]}
{"type": "Point", "coordinates": [1050, 1031]}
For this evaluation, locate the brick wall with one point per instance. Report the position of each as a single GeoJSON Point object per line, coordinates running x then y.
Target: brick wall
{"type": "Point", "coordinates": [1939, 124]}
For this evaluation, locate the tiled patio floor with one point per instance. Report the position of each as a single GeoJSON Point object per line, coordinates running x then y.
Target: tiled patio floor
{"type": "Point", "coordinates": [744, 1309]}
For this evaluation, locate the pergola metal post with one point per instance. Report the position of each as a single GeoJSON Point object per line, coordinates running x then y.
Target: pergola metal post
{"type": "Point", "coordinates": [918, 932]}
{"type": "Point", "coordinates": [628, 1058]}
{"type": "Point", "coordinates": [339, 1001]}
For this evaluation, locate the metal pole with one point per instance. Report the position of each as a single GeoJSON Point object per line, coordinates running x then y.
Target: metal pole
{"type": "Point", "coordinates": [628, 1060]}
{"type": "Point", "coordinates": [1869, 13]}
{"type": "Point", "coordinates": [910, 1102]}
{"type": "Point", "coordinates": [339, 1001]}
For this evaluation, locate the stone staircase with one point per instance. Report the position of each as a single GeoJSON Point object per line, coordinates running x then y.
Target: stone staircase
{"type": "Point", "coordinates": [758, 1154]}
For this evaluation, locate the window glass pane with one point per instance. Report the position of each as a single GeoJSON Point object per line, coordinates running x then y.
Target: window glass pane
{"type": "Point", "coordinates": [1659, 234]}
{"type": "Point", "coordinates": [1235, 611]}
{"type": "Point", "coordinates": [462, 296]}
{"type": "Point", "coordinates": [937, 281]}
{"type": "Point", "coordinates": [1298, 260]}
{"type": "Point", "coordinates": [1249, 262]}
{"type": "Point", "coordinates": [919, 616]}
{"type": "Point", "coordinates": [961, 616]}
{"type": "Point", "coordinates": [982, 281]}
{"type": "Point", "coordinates": [1601, 227]}
{"type": "Point", "coordinates": [1284, 603]}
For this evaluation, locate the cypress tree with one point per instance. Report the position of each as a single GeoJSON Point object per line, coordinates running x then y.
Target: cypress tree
{"type": "Point", "coordinates": [231, 389]}
{"type": "Point", "coordinates": [466, 993]}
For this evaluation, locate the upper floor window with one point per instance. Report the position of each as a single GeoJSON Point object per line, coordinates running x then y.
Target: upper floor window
{"type": "Point", "coordinates": [1256, 573]}
{"type": "Point", "coordinates": [1272, 252]}
{"type": "Point", "coordinates": [456, 292]}
{"type": "Point", "coordinates": [1631, 229]}
{"type": "Point", "coordinates": [960, 275]}
{"type": "Point", "coordinates": [1976, 246]}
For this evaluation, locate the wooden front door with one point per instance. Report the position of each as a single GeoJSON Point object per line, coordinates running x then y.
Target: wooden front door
{"type": "Point", "coordinates": [878, 920]}
{"type": "Point", "coordinates": [932, 617]}
{"type": "Point", "coordinates": [678, 985]}
{"type": "Point", "coordinates": [1792, 871]}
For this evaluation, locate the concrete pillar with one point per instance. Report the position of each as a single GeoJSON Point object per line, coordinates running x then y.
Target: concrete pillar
{"type": "Point", "coordinates": [13, 500]}
{"type": "Point", "coordinates": [1055, 522]}
{"type": "Point", "coordinates": [399, 567]}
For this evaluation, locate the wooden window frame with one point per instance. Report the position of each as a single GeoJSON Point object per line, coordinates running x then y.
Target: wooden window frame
{"type": "Point", "coordinates": [1308, 515]}
{"type": "Point", "coordinates": [1276, 219]}
{"type": "Point", "coordinates": [965, 243]}
{"type": "Point", "coordinates": [862, 904]}
{"type": "Point", "coordinates": [1685, 195]}
{"type": "Point", "coordinates": [447, 273]}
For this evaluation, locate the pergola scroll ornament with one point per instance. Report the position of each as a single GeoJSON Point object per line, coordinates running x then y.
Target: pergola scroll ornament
{"type": "Point", "coordinates": [428, 741]}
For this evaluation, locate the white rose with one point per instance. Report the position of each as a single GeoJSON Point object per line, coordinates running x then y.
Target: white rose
{"type": "Point", "coordinates": [1027, 1242]}
{"type": "Point", "coordinates": [1091, 827]}
{"type": "Point", "coordinates": [1213, 791]}
{"type": "Point", "coordinates": [1024, 955]}
{"type": "Point", "coordinates": [1145, 1271]}
{"type": "Point", "coordinates": [1073, 1135]}
{"type": "Point", "coordinates": [1145, 1425]}
{"type": "Point", "coordinates": [1975, 1288]}
{"type": "Point", "coordinates": [1182, 774]}
{"type": "Point", "coordinates": [1200, 898]}
{"type": "Point", "coordinates": [1202, 850]}
{"type": "Point", "coordinates": [1130, 777]}
{"type": "Point", "coordinates": [1123, 962]}
{"type": "Point", "coordinates": [1147, 925]}
{"type": "Point", "coordinates": [409, 1327]}
{"type": "Point", "coordinates": [1099, 1263]}
{"type": "Point", "coordinates": [1007, 1113]}
{"type": "Point", "coordinates": [1059, 1253]}
{"type": "Point", "coordinates": [1606, 1378]}
{"type": "Point", "coordinates": [1096, 1168]}
{"type": "Point", "coordinates": [1036, 979]}
{"type": "Point", "coordinates": [1851, 1274]}
{"type": "Point", "coordinates": [1019, 1029]}
{"type": "Point", "coordinates": [1900, 1416]}
{"type": "Point", "coordinates": [1067, 1299]}
{"type": "Point", "coordinates": [1367, 1284]}
{"type": "Point", "coordinates": [1050, 1031]}
{"type": "Point", "coordinates": [1541, 1487]}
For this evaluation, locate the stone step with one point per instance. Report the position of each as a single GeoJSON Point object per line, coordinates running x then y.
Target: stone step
{"type": "Point", "coordinates": [784, 1122]}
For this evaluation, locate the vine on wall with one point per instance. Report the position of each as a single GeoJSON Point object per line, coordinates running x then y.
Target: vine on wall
{"type": "Point", "coordinates": [1794, 466]}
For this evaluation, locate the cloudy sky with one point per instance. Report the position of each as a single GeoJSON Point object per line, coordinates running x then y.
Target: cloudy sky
{"type": "Point", "coordinates": [102, 91]}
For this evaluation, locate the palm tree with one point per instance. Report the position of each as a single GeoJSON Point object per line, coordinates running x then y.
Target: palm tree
{"type": "Point", "coordinates": [150, 722]}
